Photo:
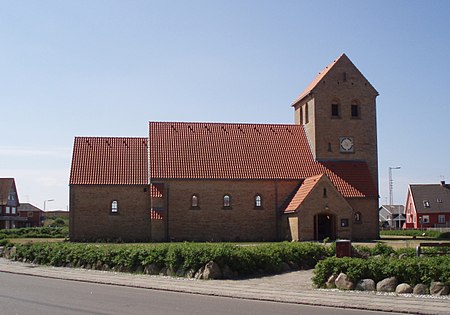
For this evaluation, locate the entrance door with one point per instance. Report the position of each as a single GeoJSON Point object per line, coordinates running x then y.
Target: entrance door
{"type": "Point", "coordinates": [324, 226]}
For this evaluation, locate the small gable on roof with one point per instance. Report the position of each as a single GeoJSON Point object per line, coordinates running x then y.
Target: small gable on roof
{"type": "Point", "coordinates": [318, 190]}
{"type": "Point", "coordinates": [342, 69]}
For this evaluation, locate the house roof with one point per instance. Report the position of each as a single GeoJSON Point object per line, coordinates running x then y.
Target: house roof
{"type": "Point", "coordinates": [27, 207]}
{"type": "Point", "coordinates": [322, 74]}
{"type": "Point", "coordinates": [106, 160]}
{"type": "Point", "coordinates": [304, 190]}
{"type": "Point", "coordinates": [394, 209]}
{"type": "Point", "coordinates": [6, 186]}
{"type": "Point", "coordinates": [437, 196]}
{"type": "Point", "coordinates": [180, 150]}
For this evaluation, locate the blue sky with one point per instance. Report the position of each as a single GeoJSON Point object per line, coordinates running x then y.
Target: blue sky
{"type": "Point", "coordinates": [106, 68]}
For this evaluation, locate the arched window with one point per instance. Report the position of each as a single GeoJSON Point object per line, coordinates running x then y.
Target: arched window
{"type": "Point", "coordinates": [114, 206]}
{"type": "Point", "coordinates": [355, 109]}
{"type": "Point", "coordinates": [258, 201]}
{"type": "Point", "coordinates": [194, 201]}
{"type": "Point", "coordinates": [358, 217]}
{"type": "Point", "coordinates": [226, 201]}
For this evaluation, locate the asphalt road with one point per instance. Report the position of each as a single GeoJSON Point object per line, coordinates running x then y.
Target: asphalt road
{"type": "Point", "coordinates": [20, 294]}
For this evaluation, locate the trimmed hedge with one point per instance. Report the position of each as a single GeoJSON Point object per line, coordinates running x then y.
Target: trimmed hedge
{"type": "Point", "coordinates": [246, 260]}
{"type": "Point", "coordinates": [425, 233]}
{"type": "Point", "coordinates": [35, 232]}
{"type": "Point", "coordinates": [411, 270]}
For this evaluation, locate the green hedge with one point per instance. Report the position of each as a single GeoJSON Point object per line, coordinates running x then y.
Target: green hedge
{"type": "Point", "coordinates": [35, 232]}
{"type": "Point", "coordinates": [246, 260]}
{"type": "Point", "coordinates": [411, 270]}
{"type": "Point", "coordinates": [424, 233]}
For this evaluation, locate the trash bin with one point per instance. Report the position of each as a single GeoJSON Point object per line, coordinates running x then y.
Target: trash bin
{"type": "Point", "coordinates": [343, 248]}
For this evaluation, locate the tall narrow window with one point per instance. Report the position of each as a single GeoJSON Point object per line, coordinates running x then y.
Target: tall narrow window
{"type": "Point", "coordinates": [114, 207]}
{"type": "Point", "coordinates": [324, 193]}
{"type": "Point", "coordinates": [258, 201]}
{"type": "Point", "coordinates": [194, 201]}
{"type": "Point", "coordinates": [301, 115]}
{"type": "Point", "coordinates": [226, 201]}
{"type": "Point", "coordinates": [335, 110]}
{"type": "Point", "coordinates": [306, 120]}
{"type": "Point", "coordinates": [355, 109]}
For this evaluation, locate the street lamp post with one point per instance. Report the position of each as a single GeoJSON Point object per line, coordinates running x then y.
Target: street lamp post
{"type": "Point", "coordinates": [391, 189]}
{"type": "Point", "coordinates": [45, 202]}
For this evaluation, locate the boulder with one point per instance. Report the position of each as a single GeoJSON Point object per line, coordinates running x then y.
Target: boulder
{"type": "Point", "coordinates": [170, 272]}
{"type": "Point", "coordinates": [387, 285]}
{"type": "Point", "coordinates": [163, 271]}
{"type": "Point", "coordinates": [180, 272]}
{"type": "Point", "coordinates": [227, 273]}
{"type": "Point", "coordinates": [403, 288]}
{"type": "Point", "coordinates": [438, 288]}
{"type": "Point", "coordinates": [365, 285]}
{"type": "Point", "coordinates": [403, 256]}
{"type": "Point", "coordinates": [152, 269]}
{"type": "Point", "coordinates": [330, 284]}
{"type": "Point", "coordinates": [420, 289]}
{"type": "Point", "coordinates": [190, 273]}
{"type": "Point", "coordinates": [199, 273]}
{"type": "Point", "coordinates": [212, 271]}
{"type": "Point", "coordinates": [343, 282]}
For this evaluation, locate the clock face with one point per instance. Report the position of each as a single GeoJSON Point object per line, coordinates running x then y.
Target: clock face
{"type": "Point", "coordinates": [346, 144]}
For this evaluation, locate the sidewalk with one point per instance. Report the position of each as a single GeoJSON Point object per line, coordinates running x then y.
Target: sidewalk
{"type": "Point", "coordinates": [293, 287]}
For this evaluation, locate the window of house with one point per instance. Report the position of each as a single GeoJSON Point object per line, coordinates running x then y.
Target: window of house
{"type": "Point", "coordinates": [11, 197]}
{"type": "Point", "coordinates": [301, 115]}
{"type": "Point", "coordinates": [441, 218]}
{"type": "Point", "coordinates": [358, 217]}
{"type": "Point", "coordinates": [258, 201]}
{"type": "Point", "coordinates": [194, 201]}
{"type": "Point", "coordinates": [426, 203]}
{"type": "Point", "coordinates": [335, 110]}
{"type": "Point", "coordinates": [226, 201]}
{"type": "Point", "coordinates": [13, 224]}
{"type": "Point", "coordinates": [426, 219]}
{"type": "Point", "coordinates": [344, 222]}
{"type": "Point", "coordinates": [114, 207]}
{"type": "Point", "coordinates": [8, 210]}
{"type": "Point", "coordinates": [13, 210]}
{"type": "Point", "coordinates": [324, 193]}
{"type": "Point", "coordinates": [30, 214]}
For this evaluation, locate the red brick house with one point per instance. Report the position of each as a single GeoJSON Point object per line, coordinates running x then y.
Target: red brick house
{"type": "Point", "coordinates": [9, 202]}
{"type": "Point", "coordinates": [32, 215]}
{"type": "Point", "coordinates": [313, 179]}
{"type": "Point", "coordinates": [428, 205]}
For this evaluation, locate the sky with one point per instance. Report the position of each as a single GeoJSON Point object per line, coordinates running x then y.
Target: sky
{"type": "Point", "coordinates": [106, 68]}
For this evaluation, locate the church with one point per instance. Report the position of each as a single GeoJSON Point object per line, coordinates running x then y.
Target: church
{"type": "Point", "coordinates": [314, 179]}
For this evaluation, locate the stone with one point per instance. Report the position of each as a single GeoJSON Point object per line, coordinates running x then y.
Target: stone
{"type": "Point", "coordinates": [190, 273]}
{"type": "Point", "coordinates": [403, 256]}
{"type": "Point", "coordinates": [330, 284]}
{"type": "Point", "coordinates": [343, 282]}
{"type": "Point", "coordinates": [420, 289]}
{"type": "Point", "coordinates": [212, 271]}
{"type": "Point", "coordinates": [170, 272]}
{"type": "Point", "coordinates": [439, 288]}
{"type": "Point", "coordinates": [180, 272]}
{"type": "Point", "coordinates": [387, 285]}
{"type": "Point", "coordinates": [139, 269]}
{"type": "Point", "coordinates": [163, 271]}
{"type": "Point", "coordinates": [199, 273]}
{"type": "Point", "coordinates": [228, 273]}
{"type": "Point", "coordinates": [365, 285]}
{"type": "Point", "coordinates": [403, 288]}
{"type": "Point", "coordinates": [152, 269]}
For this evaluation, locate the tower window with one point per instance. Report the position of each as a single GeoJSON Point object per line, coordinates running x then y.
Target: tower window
{"type": "Point", "coordinates": [355, 111]}
{"type": "Point", "coordinates": [335, 110]}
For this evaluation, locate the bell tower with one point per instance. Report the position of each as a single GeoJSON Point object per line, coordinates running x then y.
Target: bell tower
{"type": "Point", "coordinates": [338, 112]}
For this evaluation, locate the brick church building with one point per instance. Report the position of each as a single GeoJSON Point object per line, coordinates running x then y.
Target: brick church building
{"type": "Point", "coordinates": [310, 180]}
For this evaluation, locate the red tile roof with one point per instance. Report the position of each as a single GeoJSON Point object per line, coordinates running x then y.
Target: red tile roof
{"type": "Point", "coordinates": [246, 151]}
{"type": "Point", "coordinates": [304, 190]}
{"type": "Point", "coordinates": [101, 160]}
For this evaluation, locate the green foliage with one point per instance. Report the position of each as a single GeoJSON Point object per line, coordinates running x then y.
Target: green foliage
{"type": "Point", "coordinates": [246, 260]}
{"type": "Point", "coordinates": [411, 270]}
{"type": "Point", "coordinates": [416, 233]}
{"type": "Point", "coordinates": [35, 232]}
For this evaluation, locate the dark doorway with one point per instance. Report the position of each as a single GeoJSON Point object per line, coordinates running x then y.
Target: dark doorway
{"type": "Point", "coordinates": [324, 226]}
